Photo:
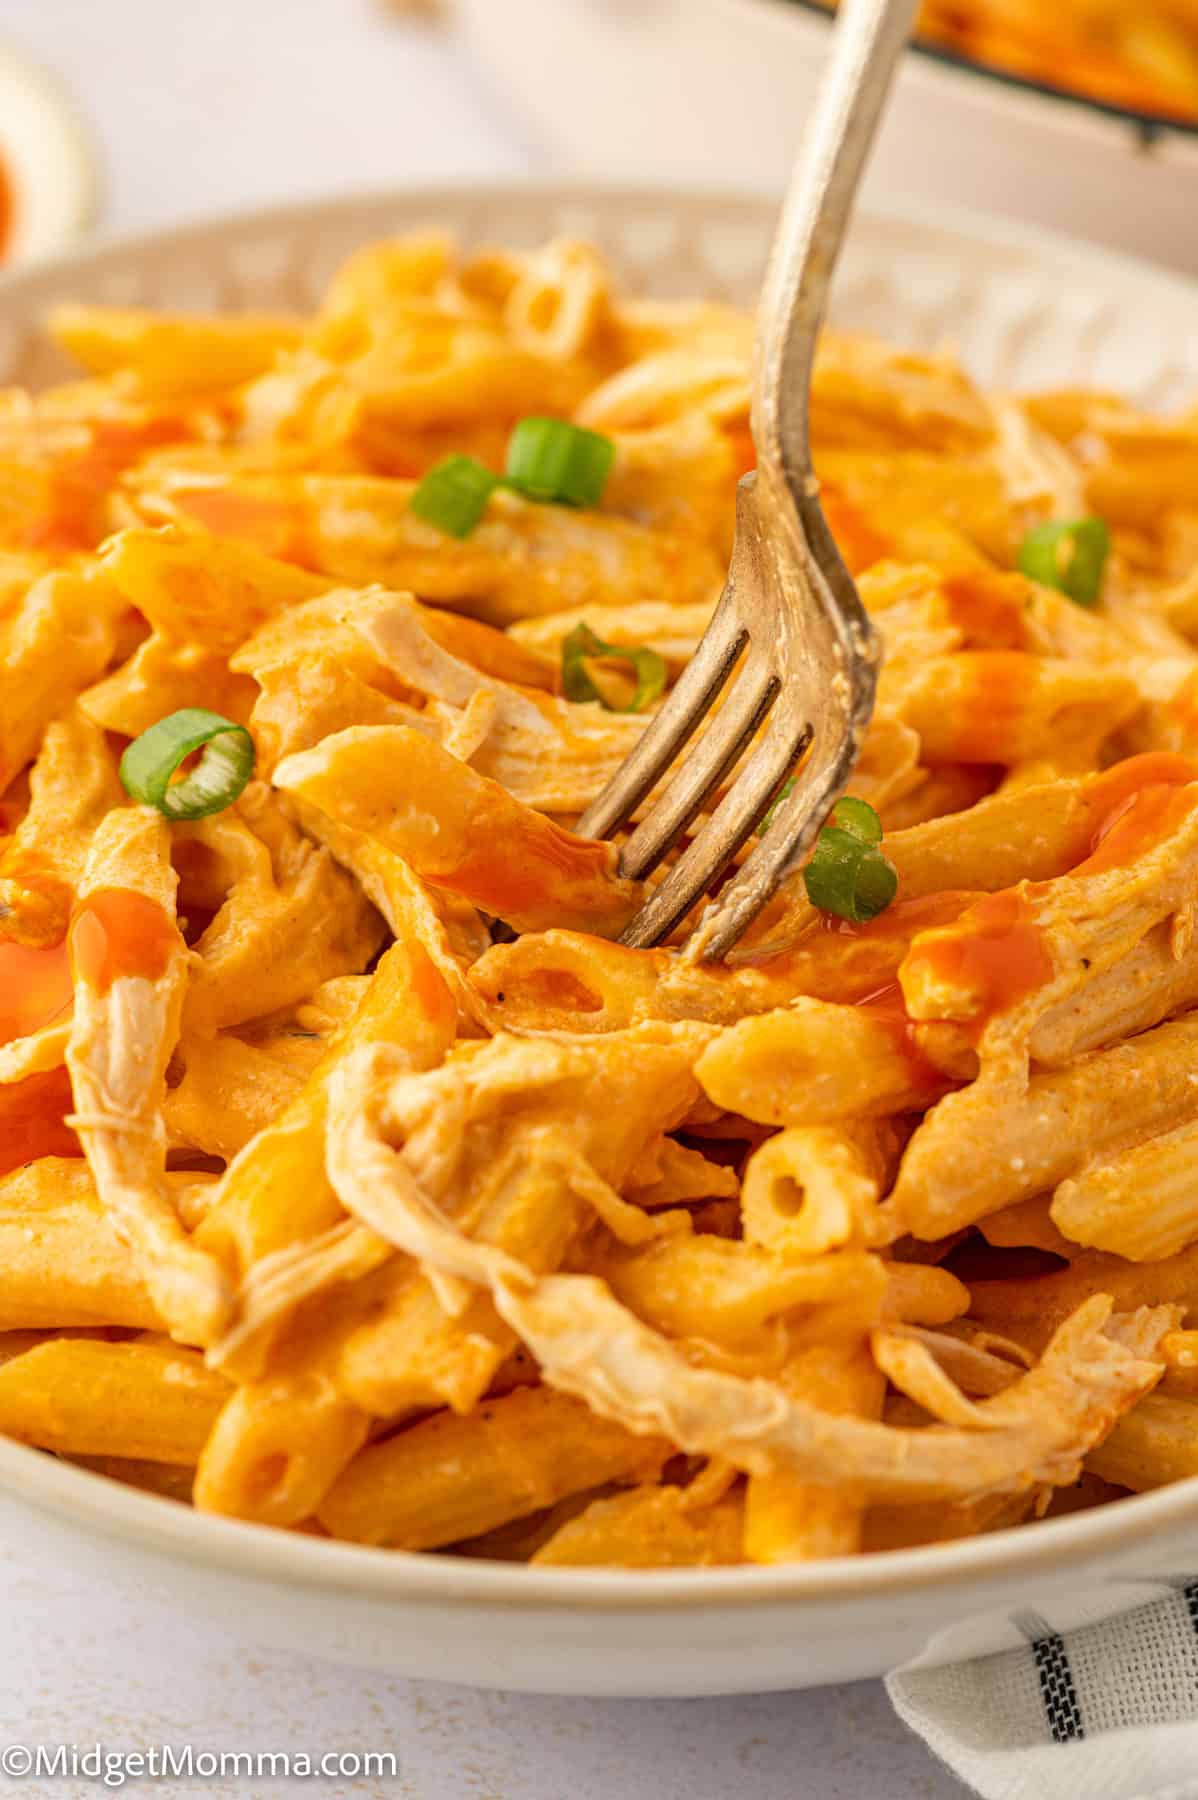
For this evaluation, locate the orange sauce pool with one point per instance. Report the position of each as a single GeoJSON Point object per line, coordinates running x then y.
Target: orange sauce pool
{"type": "Point", "coordinates": [888, 1007]}
{"type": "Point", "coordinates": [8, 210]}
{"type": "Point", "coordinates": [1182, 709]}
{"type": "Point", "coordinates": [540, 859]}
{"type": "Point", "coordinates": [74, 516]}
{"type": "Point", "coordinates": [990, 711]}
{"type": "Point", "coordinates": [33, 1120]}
{"type": "Point", "coordinates": [906, 917]}
{"type": "Point", "coordinates": [856, 539]}
{"type": "Point", "coordinates": [118, 932]}
{"type": "Point", "coordinates": [1138, 803]}
{"type": "Point", "coordinates": [995, 953]}
{"type": "Point", "coordinates": [35, 988]}
{"type": "Point", "coordinates": [989, 609]}
{"type": "Point", "coordinates": [428, 985]}
{"type": "Point", "coordinates": [1139, 825]}
{"type": "Point", "coordinates": [837, 960]}
{"type": "Point", "coordinates": [1123, 780]}
{"type": "Point", "coordinates": [45, 898]}
{"type": "Point", "coordinates": [288, 529]}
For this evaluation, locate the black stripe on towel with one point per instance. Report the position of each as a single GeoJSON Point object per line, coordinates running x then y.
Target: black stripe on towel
{"type": "Point", "coordinates": [1189, 1594]}
{"type": "Point", "coordinates": [1056, 1687]}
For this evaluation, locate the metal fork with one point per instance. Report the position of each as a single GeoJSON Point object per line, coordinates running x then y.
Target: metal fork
{"type": "Point", "coordinates": [789, 621]}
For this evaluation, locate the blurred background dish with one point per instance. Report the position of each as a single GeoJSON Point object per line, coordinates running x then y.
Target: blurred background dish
{"type": "Point", "coordinates": [717, 90]}
{"type": "Point", "coordinates": [1139, 56]}
{"type": "Point", "coordinates": [48, 181]}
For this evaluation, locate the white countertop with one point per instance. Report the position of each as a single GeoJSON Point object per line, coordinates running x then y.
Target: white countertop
{"type": "Point", "coordinates": [197, 109]}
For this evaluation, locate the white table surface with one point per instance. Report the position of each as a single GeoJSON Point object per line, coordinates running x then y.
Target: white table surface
{"type": "Point", "coordinates": [200, 106]}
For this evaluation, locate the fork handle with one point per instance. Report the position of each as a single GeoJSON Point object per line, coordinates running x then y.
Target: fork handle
{"type": "Point", "coordinates": [867, 43]}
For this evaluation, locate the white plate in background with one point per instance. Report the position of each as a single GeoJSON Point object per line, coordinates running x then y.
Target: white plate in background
{"type": "Point", "coordinates": [1024, 308]}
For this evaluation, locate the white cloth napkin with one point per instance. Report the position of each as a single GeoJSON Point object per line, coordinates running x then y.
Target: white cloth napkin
{"type": "Point", "coordinates": [1105, 1712]}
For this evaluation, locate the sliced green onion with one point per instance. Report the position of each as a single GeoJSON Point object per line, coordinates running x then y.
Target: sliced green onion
{"type": "Point", "coordinates": [453, 495]}
{"type": "Point", "coordinates": [852, 815]}
{"type": "Point", "coordinates": [550, 459]}
{"type": "Point", "coordinates": [849, 877]}
{"type": "Point", "coordinates": [648, 667]}
{"type": "Point", "coordinates": [1068, 554]}
{"type": "Point", "coordinates": [768, 818]}
{"type": "Point", "coordinates": [222, 772]}
{"type": "Point", "coordinates": [858, 817]}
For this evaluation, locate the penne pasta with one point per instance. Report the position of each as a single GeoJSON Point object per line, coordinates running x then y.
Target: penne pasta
{"type": "Point", "coordinates": [519, 1454]}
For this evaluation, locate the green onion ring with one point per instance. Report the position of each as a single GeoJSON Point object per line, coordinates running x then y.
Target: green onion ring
{"type": "Point", "coordinates": [550, 459]}
{"type": "Point", "coordinates": [1069, 555]}
{"type": "Point", "coordinates": [215, 783]}
{"type": "Point", "coordinates": [648, 667]}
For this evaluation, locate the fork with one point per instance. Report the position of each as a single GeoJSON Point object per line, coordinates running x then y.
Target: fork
{"type": "Point", "coordinates": [789, 622]}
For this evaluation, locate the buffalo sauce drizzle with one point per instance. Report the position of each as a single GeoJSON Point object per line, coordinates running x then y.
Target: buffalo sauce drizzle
{"type": "Point", "coordinates": [429, 990]}
{"type": "Point", "coordinates": [1137, 804]}
{"type": "Point", "coordinates": [988, 609]}
{"type": "Point", "coordinates": [118, 932]}
{"type": "Point", "coordinates": [35, 988]}
{"type": "Point", "coordinates": [288, 528]}
{"type": "Point", "coordinates": [996, 954]}
{"type": "Point", "coordinates": [7, 210]}
{"type": "Point", "coordinates": [887, 1007]}
{"type": "Point", "coordinates": [73, 517]}
{"type": "Point", "coordinates": [33, 1115]}
{"type": "Point", "coordinates": [991, 709]}
{"type": "Point", "coordinates": [860, 543]}
{"type": "Point", "coordinates": [539, 858]}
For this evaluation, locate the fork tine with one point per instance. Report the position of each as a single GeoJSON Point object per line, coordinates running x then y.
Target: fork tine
{"type": "Point", "coordinates": [725, 740]}
{"type": "Point", "coordinates": [672, 727]}
{"type": "Point", "coordinates": [791, 835]}
{"type": "Point", "coordinates": [723, 834]}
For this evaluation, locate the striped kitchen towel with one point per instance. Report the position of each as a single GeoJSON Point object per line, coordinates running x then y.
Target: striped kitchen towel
{"type": "Point", "coordinates": [1105, 1712]}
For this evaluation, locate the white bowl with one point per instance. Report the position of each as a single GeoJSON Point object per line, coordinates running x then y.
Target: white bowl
{"type": "Point", "coordinates": [717, 90]}
{"type": "Point", "coordinates": [1024, 308]}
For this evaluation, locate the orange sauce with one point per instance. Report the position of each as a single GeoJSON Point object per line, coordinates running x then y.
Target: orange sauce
{"type": "Point", "coordinates": [1137, 803]}
{"type": "Point", "coordinates": [989, 609]}
{"type": "Point", "coordinates": [887, 1006]}
{"type": "Point", "coordinates": [518, 866]}
{"type": "Point", "coordinates": [837, 960]}
{"type": "Point", "coordinates": [906, 917]}
{"type": "Point", "coordinates": [278, 527]}
{"type": "Point", "coordinates": [995, 954]}
{"type": "Point", "coordinates": [33, 1120]}
{"type": "Point", "coordinates": [7, 211]}
{"type": "Point", "coordinates": [1140, 824]}
{"type": "Point", "coordinates": [744, 450]}
{"type": "Point", "coordinates": [35, 988]}
{"type": "Point", "coordinates": [1117, 784]}
{"type": "Point", "coordinates": [429, 991]}
{"type": "Point", "coordinates": [857, 540]}
{"type": "Point", "coordinates": [1181, 709]}
{"type": "Point", "coordinates": [73, 517]}
{"type": "Point", "coordinates": [118, 932]}
{"type": "Point", "coordinates": [46, 899]}
{"type": "Point", "coordinates": [989, 711]}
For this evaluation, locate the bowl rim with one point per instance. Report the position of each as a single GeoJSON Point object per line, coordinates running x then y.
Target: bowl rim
{"type": "Point", "coordinates": [976, 224]}
{"type": "Point", "coordinates": [87, 1500]}
{"type": "Point", "coordinates": [98, 1504]}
